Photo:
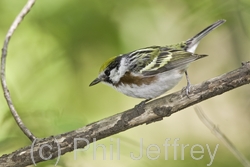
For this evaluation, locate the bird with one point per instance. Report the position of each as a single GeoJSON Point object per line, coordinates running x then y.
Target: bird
{"type": "Point", "coordinates": [149, 72]}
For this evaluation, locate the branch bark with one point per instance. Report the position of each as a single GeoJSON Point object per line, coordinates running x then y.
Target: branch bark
{"type": "Point", "coordinates": [7, 96]}
{"type": "Point", "coordinates": [153, 111]}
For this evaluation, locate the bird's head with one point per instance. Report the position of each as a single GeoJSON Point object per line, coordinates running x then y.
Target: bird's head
{"type": "Point", "coordinates": [111, 71]}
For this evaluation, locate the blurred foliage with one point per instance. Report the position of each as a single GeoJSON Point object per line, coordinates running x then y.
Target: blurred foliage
{"type": "Point", "coordinates": [57, 51]}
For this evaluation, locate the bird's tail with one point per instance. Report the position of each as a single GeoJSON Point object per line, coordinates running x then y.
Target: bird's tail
{"type": "Point", "coordinates": [193, 42]}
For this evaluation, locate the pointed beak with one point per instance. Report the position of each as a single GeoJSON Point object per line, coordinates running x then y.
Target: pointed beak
{"type": "Point", "coordinates": [96, 81]}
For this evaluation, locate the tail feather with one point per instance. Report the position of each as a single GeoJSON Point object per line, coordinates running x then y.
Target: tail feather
{"type": "Point", "coordinates": [193, 42]}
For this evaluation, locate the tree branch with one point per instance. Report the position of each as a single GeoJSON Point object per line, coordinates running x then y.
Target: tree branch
{"type": "Point", "coordinates": [154, 111]}
{"type": "Point", "coordinates": [7, 96]}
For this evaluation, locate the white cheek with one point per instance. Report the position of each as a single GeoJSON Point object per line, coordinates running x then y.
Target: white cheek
{"type": "Point", "coordinates": [123, 66]}
{"type": "Point", "coordinates": [115, 74]}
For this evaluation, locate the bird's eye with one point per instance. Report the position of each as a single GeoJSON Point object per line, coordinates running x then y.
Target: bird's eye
{"type": "Point", "coordinates": [107, 72]}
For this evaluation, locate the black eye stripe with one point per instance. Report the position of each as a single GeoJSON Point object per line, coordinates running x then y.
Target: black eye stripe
{"type": "Point", "coordinates": [107, 72]}
{"type": "Point", "coordinates": [114, 64]}
{"type": "Point", "coordinates": [109, 80]}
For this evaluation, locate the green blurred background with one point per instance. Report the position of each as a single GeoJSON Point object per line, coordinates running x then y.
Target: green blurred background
{"type": "Point", "coordinates": [58, 49]}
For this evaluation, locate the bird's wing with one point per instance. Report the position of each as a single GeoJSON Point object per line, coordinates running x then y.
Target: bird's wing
{"type": "Point", "coordinates": [168, 59]}
{"type": "Point", "coordinates": [142, 58]}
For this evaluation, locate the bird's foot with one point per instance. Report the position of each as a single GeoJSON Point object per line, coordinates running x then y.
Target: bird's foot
{"type": "Point", "coordinates": [187, 89]}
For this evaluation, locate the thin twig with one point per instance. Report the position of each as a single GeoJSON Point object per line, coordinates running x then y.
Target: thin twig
{"type": "Point", "coordinates": [222, 137]}
{"type": "Point", "coordinates": [7, 96]}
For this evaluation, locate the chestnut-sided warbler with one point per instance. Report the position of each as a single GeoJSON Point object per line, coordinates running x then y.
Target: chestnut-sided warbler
{"type": "Point", "coordinates": [150, 72]}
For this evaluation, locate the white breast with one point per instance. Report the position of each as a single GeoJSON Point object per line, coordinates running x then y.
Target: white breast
{"type": "Point", "coordinates": [164, 82]}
